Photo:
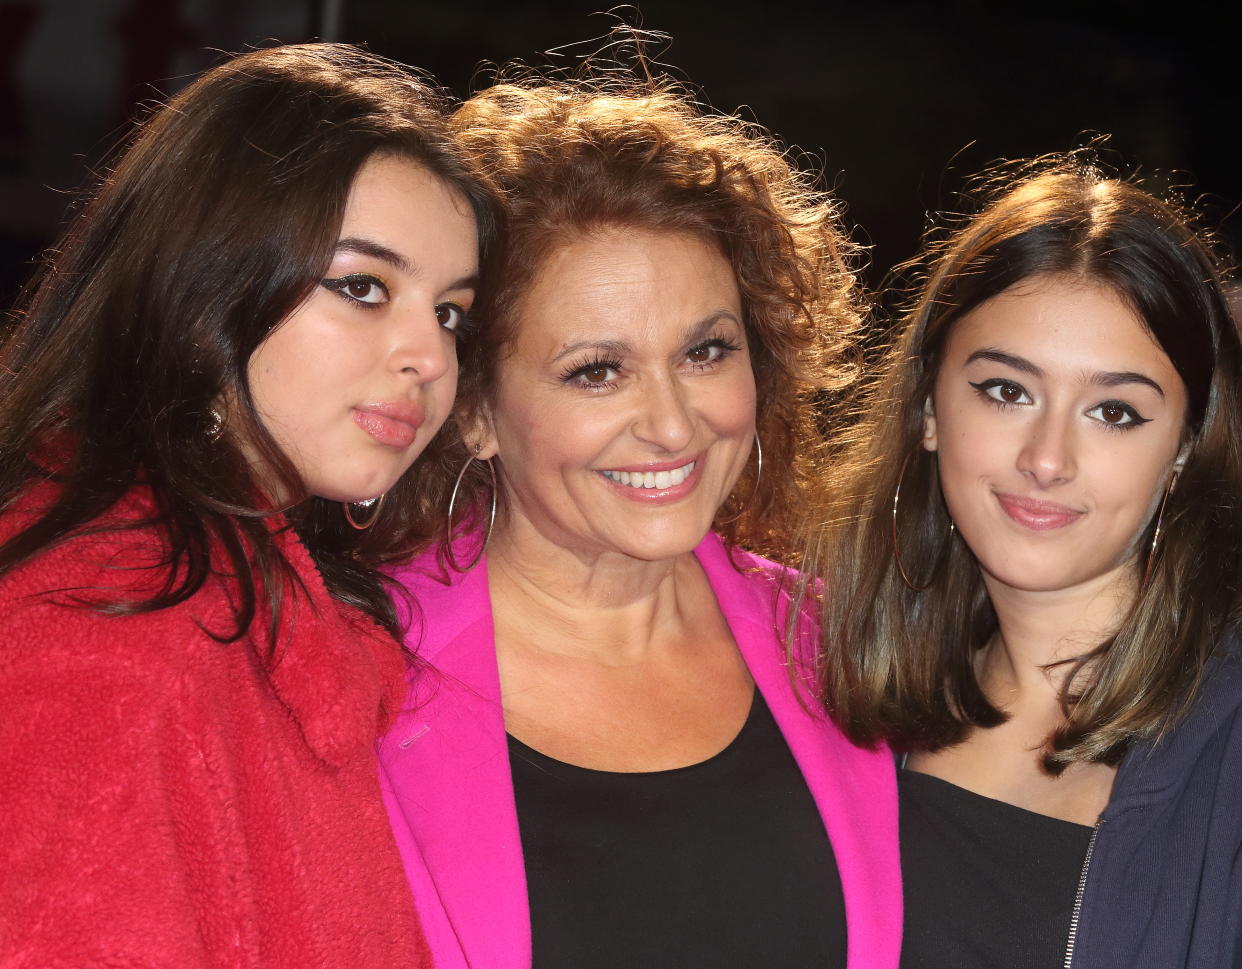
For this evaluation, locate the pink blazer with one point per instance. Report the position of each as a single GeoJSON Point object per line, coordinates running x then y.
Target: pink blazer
{"type": "Point", "coordinates": [446, 779]}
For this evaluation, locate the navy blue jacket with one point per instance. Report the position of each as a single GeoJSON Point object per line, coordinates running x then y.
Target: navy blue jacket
{"type": "Point", "coordinates": [1163, 886]}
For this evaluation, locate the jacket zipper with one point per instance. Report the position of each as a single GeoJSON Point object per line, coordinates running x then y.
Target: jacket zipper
{"type": "Point", "coordinates": [1082, 888]}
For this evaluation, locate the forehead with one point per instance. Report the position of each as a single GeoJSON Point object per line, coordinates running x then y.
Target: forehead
{"type": "Point", "coordinates": [399, 198]}
{"type": "Point", "coordinates": [1062, 324]}
{"type": "Point", "coordinates": [625, 282]}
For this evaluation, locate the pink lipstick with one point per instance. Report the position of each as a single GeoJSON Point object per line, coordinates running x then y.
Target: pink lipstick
{"type": "Point", "coordinates": [394, 423]}
{"type": "Point", "coordinates": [1039, 516]}
{"type": "Point", "coordinates": [655, 481]}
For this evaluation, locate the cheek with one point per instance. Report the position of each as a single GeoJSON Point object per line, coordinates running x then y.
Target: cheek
{"type": "Point", "coordinates": [729, 408]}
{"type": "Point", "coordinates": [534, 437]}
{"type": "Point", "coordinates": [967, 449]}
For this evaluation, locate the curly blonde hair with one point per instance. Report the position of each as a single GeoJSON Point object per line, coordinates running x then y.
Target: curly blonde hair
{"type": "Point", "coordinates": [569, 157]}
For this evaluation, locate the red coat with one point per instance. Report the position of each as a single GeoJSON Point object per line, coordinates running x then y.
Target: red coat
{"type": "Point", "coordinates": [171, 801]}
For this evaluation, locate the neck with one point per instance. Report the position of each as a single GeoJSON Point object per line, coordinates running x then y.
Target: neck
{"type": "Point", "coordinates": [598, 604]}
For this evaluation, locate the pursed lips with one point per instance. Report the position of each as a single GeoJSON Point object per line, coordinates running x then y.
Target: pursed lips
{"type": "Point", "coordinates": [394, 423]}
{"type": "Point", "coordinates": [1036, 514]}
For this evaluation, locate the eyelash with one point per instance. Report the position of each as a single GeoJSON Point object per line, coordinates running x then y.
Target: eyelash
{"type": "Point", "coordinates": [339, 285]}
{"type": "Point", "coordinates": [463, 318]}
{"type": "Point", "coordinates": [1135, 418]}
{"type": "Point", "coordinates": [726, 347]}
{"type": "Point", "coordinates": [575, 374]}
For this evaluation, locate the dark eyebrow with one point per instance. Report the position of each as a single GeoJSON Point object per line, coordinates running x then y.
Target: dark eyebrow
{"type": "Point", "coordinates": [619, 348]}
{"type": "Point", "coordinates": [470, 282]}
{"type": "Point", "coordinates": [1111, 378]}
{"type": "Point", "coordinates": [1104, 378]}
{"type": "Point", "coordinates": [1008, 359]}
{"type": "Point", "coordinates": [366, 247]}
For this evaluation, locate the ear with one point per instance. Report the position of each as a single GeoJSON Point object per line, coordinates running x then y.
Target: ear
{"type": "Point", "coordinates": [478, 432]}
{"type": "Point", "coordinates": [930, 440]}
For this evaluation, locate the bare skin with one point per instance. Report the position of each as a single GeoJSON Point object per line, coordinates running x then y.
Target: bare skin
{"type": "Point", "coordinates": [615, 666]}
{"type": "Point", "coordinates": [1004, 762]}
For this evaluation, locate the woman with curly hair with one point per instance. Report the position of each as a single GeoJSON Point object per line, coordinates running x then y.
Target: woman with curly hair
{"type": "Point", "coordinates": [611, 764]}
{"type": "Point", "coordinates": [245, 340]}
{"type": "Point", "coordinates": [1031, 558]}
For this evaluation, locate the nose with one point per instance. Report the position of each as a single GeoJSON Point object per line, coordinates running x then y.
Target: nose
{"type": "Point", "coordinates": [419, 346]}
{"type": "Point", "coordinates": [1048, 453]}
{"type": "Point", "coordinates": [664, 417]}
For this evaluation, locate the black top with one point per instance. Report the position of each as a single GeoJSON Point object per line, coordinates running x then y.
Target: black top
{"type": "Point", "coordinates": [986, 884]}
{"type": "Point", "coordinates": [720, 864]}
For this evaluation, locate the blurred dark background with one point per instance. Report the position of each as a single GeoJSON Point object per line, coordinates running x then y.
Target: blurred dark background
{"type": "Point", "coordinates": [896, 103]}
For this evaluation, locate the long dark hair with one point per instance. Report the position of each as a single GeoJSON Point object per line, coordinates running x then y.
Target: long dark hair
{"type": "Point", "coordinates": [898, 664]}
{"type": "Point", "coordinates": [215, 224]}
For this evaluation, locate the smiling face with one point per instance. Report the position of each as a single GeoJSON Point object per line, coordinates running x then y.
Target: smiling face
{"type": "Point", "coordinates": [355, 382]}
{"type": "Point", "coordinates": [625, 410]}
{"type": "Point", "coordinates": [1058, 422]}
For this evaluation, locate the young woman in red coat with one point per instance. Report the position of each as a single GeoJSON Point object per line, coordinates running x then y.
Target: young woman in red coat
{"type": "Point", "coordinates": [242, 345]}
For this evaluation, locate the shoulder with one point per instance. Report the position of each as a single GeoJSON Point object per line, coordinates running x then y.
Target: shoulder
{"type": "Point", "coordinates": [744, 581]}
{"type": "Point", "coordinates": [57, 603]}
{"type": "Point", "coordinates": [441, 605]}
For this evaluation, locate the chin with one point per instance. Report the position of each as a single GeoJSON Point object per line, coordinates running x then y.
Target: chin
{"type": "Point", "coordinates": [659, 548]}
{"type": "Point", "coordinates": [358, 488]}
{"type": "Point", "coordinates": [1043, 577]}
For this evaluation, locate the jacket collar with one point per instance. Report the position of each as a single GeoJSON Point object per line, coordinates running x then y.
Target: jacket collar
{"type": "Point", "coordinates": [449, 786]}
{"type": "Point", "coordinates": [338, 673]}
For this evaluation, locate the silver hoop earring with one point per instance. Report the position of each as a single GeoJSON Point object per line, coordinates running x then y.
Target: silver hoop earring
{"type": "Point", "coordinates": [755, 487]}
{"type": "Point", "coordinates": [491, 518]}
{"type": "Point", "coordinates": [375, 504]}
{"type": "Point", "coordinates": [944, 545]}
{"type": "Point", "coordinates": [1155, 538]}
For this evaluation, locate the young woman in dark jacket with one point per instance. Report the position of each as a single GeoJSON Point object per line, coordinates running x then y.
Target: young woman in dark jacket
{"type": "Point", "coordinates": [1031, 575]}
{"type": "Point", "coordinates": [242, 345]}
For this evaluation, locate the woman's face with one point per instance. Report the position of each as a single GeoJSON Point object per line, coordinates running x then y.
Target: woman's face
{"type": "Point", "coordinates": [626, 409]}
{"type": "Point", "coordinates": [1058, 421]}
{"type": "Point", "coordinates": [355, 382]}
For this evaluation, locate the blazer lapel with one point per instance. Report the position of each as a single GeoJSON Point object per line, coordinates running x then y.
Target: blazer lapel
{"type": "Point", "coordinates": [446, 766]}
{"type": "Point", "coordinates": [855, 790]}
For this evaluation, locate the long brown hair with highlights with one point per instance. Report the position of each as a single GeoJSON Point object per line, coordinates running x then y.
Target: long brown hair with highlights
{"type": "Point", "coordinates": [214, 225]}
{"type": "Point", "coordinates": [899, 664]}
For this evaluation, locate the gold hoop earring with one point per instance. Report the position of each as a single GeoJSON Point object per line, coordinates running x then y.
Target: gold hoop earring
{"type": "Point", "coordinates": [944, 545]}
{"type": "Point", "coordinates": [215, 424]}
{"type": "Point", "coordinates": [1155, 538]}
{"type": "Point", "coordinates": [491, 518]}
{"type": "Point", "coordinates": [754, 488]}
{"type": "Point", "coordinates": [378, 503]}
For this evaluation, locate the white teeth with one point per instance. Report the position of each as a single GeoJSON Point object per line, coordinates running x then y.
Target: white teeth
{"type": "Point", "coordinates": [651, 479]}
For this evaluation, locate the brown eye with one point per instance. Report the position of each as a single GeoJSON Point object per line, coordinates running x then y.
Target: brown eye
{"type": "Point", "coordinates": [450, 316]}
{"type": "Point", "coordinates": [701, 354]}
{"type": "Point", "coordinates": [358, 288]}
{"type": "Point", "coordinates": [593, 375]}
{"type": "Point", "coordinates": [1117, 414]}
{"type": "Point", "coordinates": [1004, 392]}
